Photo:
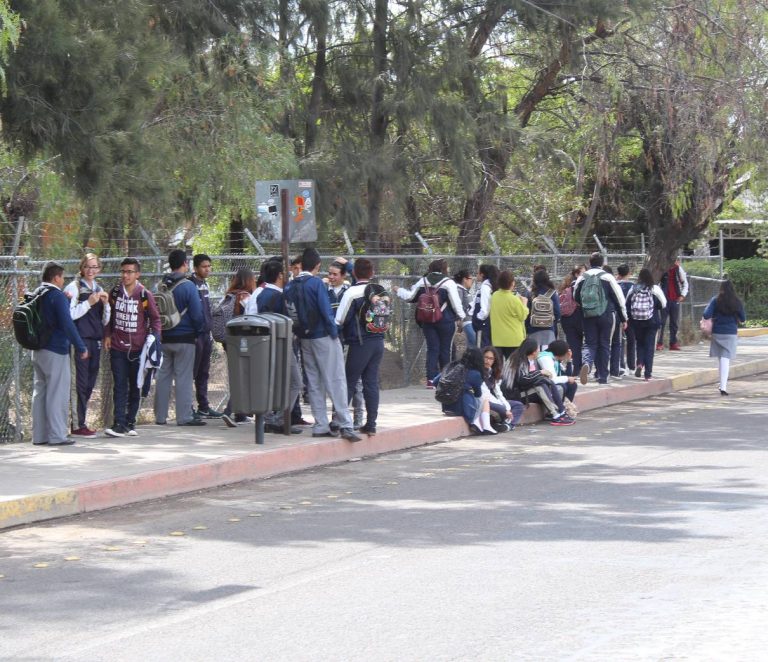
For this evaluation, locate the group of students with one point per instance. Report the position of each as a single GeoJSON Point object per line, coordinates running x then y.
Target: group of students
{"type": "Point", "coordinates": [513, 353]}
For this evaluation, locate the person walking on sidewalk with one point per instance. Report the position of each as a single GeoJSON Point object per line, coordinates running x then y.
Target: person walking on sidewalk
{"type": "Point", "coordinates": [726, 311]}
{"type": "Point", "coordinates": [134, 316]}
{"type": "Point", "coordinates": [179, 344]}
{"type": "Point", "coordinates": [645, 304]}
{"type": "Point", "coordinates": [364, 337]}
{"type": "Point", "coordinates": [674, 284]}
{"type": "Point", "coordinates": [307, 302]}
{"type": "Point", "coordinates": [90, 310]}
{"type": "Point", "coordinates": [603, 307]}
{"type": "Point", "coordinates": [438, 309]}
{"type": "Point", "coordinates": [201, 265]}
{"type": "Point", "coordinates": [570, 317]}
{"type": "Point", "coordinates": [52, 376]}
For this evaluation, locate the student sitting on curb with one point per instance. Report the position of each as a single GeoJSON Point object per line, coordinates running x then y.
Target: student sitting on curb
{"type": "Point", "coordinates": [557, 363]}
{"type": "Point", "coordinates": [509, 412]}
{"type": "Point", "coordinates": [472, 403]}
{"type": "Point", "coordinates": [530, 384]}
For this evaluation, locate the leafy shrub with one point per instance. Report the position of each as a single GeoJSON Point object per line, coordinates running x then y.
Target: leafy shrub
{"type": "Point", "coordinates": [750, 280]}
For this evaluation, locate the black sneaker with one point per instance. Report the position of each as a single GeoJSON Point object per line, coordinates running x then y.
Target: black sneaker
{"type": "Point", "coordinates": [193, 422]}
{"type": "Point", "coordinates": [368, 429]}
{"type": "Point", "coordinates": [562, 420]}
{"type": "Point", "coordinates": [278, 429]}
{"type": "Point", "coordinates": [228, 421]}
{"type": "Point", "coordinates": [330, 433]}
{"type": "Point", "coordinates": [335, 427]}
{"type": "Point", "coordinates": [639, 371]}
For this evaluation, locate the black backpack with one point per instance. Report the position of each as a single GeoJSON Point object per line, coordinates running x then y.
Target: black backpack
{"type": "Point", "coordinates": [450, 386]}
{"type": "Point", "coordinates": [302, 312]}
{"type": "Point", "coordinates": [376, 311]}
{"type": "Point", "coordinates": [31, 329]}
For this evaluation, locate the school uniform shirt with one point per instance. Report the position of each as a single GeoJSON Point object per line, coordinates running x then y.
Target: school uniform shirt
{"type": "Point", "coordinates": [659, 303]}
{"type": "Point", "coordinates": [724, 324]}
{"type": "Point", "coordinates": [55, 311]}
{"type": "Point", "coordinates": [319, 313]}
{"type": "Point", "coordinates": [271, 300]}
{"type": "Point", "coordinates": [448, 293]}
{"type": "Point", "coordinates": [205, 301]}
{"type": "Point", "coordinates": [353, 331]}
{"type": "Point", "coordinates": [613, 294]}
{"type": "Point", "coordinates": [89, 320]}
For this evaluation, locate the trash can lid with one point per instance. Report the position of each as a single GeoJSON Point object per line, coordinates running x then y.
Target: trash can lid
{"type": "Point", "coordinates": [248, 320]}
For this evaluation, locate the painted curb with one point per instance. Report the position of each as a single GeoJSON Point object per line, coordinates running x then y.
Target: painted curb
{"type": "Point", "coordinates": [110, 493]}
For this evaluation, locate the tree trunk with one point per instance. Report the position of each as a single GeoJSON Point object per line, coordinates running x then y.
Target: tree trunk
{"type": "Point", "coordinates": [236, 239]}
{"type": "Point", "coordinates": [318, 81]}
{"type": "Point", "coordinates": [378, 127]}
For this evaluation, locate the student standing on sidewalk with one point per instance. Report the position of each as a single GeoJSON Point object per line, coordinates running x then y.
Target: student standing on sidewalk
{"type": "Point", "coordinates": [629, 346]}
{"type": "Point", "coordinates": [438, 335]}
{"type": "Point", "coordinates": [271, 299]}
{"type": "Point", "coordinates": [50, 394]}
{"type": "Point", "coordinates": [509, 311]}
{"type": "Point", "coordinates": [645, 305]}
{"type": "Point", "coordinates": [603, 307]}
{"type": "Point", "coordinates": [201, 264]}
{"type": "Point", "coordinates": [179, 345]}
{"type": "Point", "coordinates": [570, 317]}
{"type": "Point", "coordinates": [674, 285]}
{"type": "Point", "coordinates": [90, 310]}
{"type": "Point", "coordinates": [726, 312]}
{"type": "Point", "coordinates": [337, 287]}
{"type": "Point", "coordinates": [134, 316]}
{"type": "Point", "coordinates": [463, 280]}
{"type": "Point", "coordinates": [365, 342]}
{"type": "Point", "coordinates": [307, 302]}
{"type": "Point", "coordinates": [487, 283]}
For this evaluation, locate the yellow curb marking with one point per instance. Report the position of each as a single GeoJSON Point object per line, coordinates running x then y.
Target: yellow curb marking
{"type": "Point", "coordinates": [254, 514]}
{"type": "Point", "coordinates": [392, 482]}
{"type": "Point", "coordinates": [111, 549]}
{"type": "Point", "coordinates": [177, 533]}
{"type": "Point", "coordinates": [71, 558]}
{"type": "Point", "coordinates": [139, 542]}
{"type": "Point", "coordinates": [40, 565]}
{"type": "Point", "coordinates": [2, 576]}
{"type": "Point", "coordinates": [233, 519]}
{"type": "Point", "coordinates": [305, 503]}
{"type": "Point", "coordinates": [200, 527]}
{"type": "Point", "coordinates": [331, 496]}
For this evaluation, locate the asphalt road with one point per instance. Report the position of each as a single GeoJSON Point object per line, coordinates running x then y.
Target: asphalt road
{"type": "Point", "coordinates": [639, 533]}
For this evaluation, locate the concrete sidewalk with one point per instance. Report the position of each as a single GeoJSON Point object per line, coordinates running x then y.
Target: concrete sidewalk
{"type": "Point", "coordinates": [39, 483]}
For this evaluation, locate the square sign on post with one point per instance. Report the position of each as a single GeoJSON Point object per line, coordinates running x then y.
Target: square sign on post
{"type": "Point", "coordinates": [301, 210]}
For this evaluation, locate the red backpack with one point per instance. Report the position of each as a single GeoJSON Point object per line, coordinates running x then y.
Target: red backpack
{"type": "Point", "coordinates": [568, 304]}
{"type": "Point", "coordinates": [428, 308]}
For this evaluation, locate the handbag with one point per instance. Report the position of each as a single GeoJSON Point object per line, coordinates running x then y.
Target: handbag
{"type": "Point", "coordinates": [705, 326]}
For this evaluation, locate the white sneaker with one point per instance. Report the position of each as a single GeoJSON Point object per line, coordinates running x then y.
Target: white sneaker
{"type": "Point", "coordinates": [117, 431]}
{"type": "Point", "coordinates": [132, 433]}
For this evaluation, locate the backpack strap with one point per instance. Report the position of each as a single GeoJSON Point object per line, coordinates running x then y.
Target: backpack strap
{"type": "Point", "coordinates": [437, 287]}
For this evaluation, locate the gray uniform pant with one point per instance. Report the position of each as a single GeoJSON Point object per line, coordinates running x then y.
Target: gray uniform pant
{"type": "Point", "coordinates": [324, 366]}
{"type": "Point", "coordinates": [50, 396]}
{"type": "Point", "coordinates": [178, 367]}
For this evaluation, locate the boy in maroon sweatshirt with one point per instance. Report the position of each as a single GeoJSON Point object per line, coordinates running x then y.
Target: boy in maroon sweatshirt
{"type": "Point", "coordinates": [134, 316]}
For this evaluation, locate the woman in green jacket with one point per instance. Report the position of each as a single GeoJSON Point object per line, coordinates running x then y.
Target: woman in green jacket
{"type": "Point", "coordinates": [509, 311]}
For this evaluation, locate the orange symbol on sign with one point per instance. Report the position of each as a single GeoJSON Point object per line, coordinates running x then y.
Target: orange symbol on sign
{"type": "Point", "coordinates": [299, 200]}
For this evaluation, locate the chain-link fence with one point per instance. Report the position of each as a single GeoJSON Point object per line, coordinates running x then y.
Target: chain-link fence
{"type": "Point", "coordinates": [404, 361]}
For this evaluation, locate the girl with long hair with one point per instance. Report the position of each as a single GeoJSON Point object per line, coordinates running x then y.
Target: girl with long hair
{"type": "Point", "coordinates": [487, 280]}
{"type": "Point", "coordinates": [509, 412]}
{"type": "Point", "coordinates": [542, 286]}
{"type": "Point", "coordinates": [726, 311]}
{"type": "Point", "coordinates": [473, 404]}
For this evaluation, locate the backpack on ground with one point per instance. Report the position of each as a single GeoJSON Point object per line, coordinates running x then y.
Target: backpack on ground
{"type": "Point", "coordinates": [376, 310]}
{"type": "Point", "coordinates": [299, 310]}
{"type": "Point", "coordinates": [568, 304]}
{"type": "Point", "coordinates": [642, 304]}
{"type": "Point", "coordinates": [542, 311]}
{"type": "Point", "coordinates": [170, 316]}
{"type": "Point", "coordinates": [450, 386]}
{"type": "Point", "coordinates": [220, 315]}
{"type": "Point", "coordinates": [593, 300]}
{"type": "Point", "coordinates": [428, 308]}
{"type": "Point", "coordinates": [31, 329]}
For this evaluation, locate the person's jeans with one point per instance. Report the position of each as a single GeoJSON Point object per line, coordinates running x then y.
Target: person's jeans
{"type": "Point", "coordinates": [202, 368]}
{"type": "Point", "coordinates": [645, 334]}
{"type": "Point", "coordinates": [439, 337]}
{"type": "Point", "coordinates": [86, 375]}
{"type": "Point", "coordinates": [598, 332]}
{"type": "Point", "coordinates": [616, 348]}
{"type": "Point", "coordinates": [125, 392]}
{"type": "Point", "coordinates": [363, 362]}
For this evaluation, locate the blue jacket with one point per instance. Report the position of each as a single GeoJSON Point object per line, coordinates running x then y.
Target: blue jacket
{"type": "Point", "coordinates": [55, 309]}
{"type": "Point", "coordinates": [187, 299]}
{"type": "Point", "coordinates": [319, 315]}
{"type": "Point", "coordinates": [205, 301]}
{"type": "Point", "coordinates": [353, 331]}
{"type": "Point", "coordinates": [725, 324]}
{"type": "Point", "coordinates": [271, 300]}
